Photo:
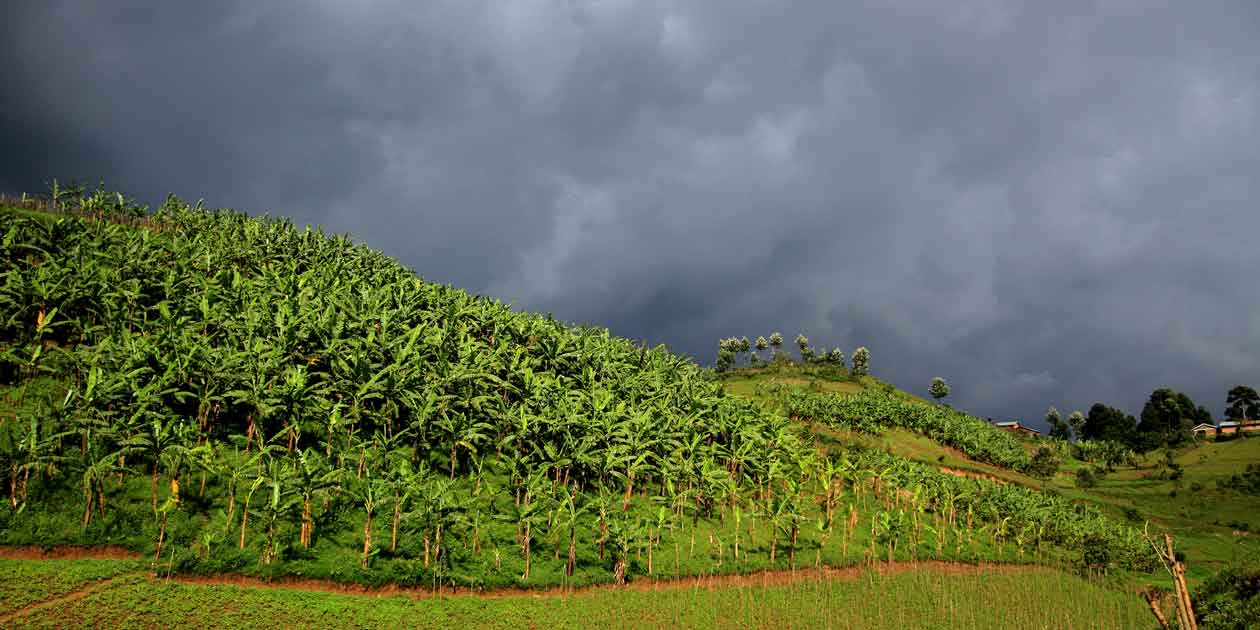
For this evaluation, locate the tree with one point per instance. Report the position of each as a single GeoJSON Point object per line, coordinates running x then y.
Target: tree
{"type": "Point", "coordinates": [1077, 422]}
{"type": "Point", "coordinates": [861, 361]}
{"type": "Point", "coordinates": [1108, 423]}
{"type": "Point", "coordinates": [1168, 419]}
{"type": "Point", "coordinates": [1242, 404]}
{"type": "Point", "coordinates": [1045, 463]}
{"type": "Point", "coordinates": [1058, 428]}
{"type": "Point", "coordinates": [939, 388]}
{"type": "Point", "coordinates": [836, 357]}
{"type": "Point", "coordinates": [761, 345]}
{"type": "Point", "coordinates": [802, 342]}
{"type": "Point", "coordinates": [776, 342]}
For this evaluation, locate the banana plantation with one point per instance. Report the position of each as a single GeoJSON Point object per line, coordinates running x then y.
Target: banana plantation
{"type": "Point", "coordinates": [230, 393]}
{"type": "Point", "coordinates": [873, 411]}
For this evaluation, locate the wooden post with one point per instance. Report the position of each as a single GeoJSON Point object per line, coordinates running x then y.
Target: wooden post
{"type": "Point", "coordinates": [1185, 611]}
{"type": "Point", "coordinates": [1176, 569]}
{"type": "Point", "coordinates": [1152, 599]}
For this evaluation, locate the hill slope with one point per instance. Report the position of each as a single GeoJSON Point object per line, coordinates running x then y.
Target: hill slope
{"type": "Point", "coordinates": [238, 394]}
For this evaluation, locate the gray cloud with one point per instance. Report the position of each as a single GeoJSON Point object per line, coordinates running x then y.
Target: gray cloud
{"type": "Point", "coordinates": [1046, 203]}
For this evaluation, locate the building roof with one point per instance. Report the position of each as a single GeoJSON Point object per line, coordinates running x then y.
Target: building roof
{"type": "Point", "coordinates": [1204, 425]}
{"type": "Point", "coordinates": [1006, 424]}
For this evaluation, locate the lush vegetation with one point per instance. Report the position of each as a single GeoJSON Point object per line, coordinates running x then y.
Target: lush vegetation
{"type": "Point", "coordinates": [968, 599]}
{"type": "Point", "coordinates": [237, 394]}
{"type": "Point", "coordinates": [872, 411]}
{"type": "Point", "coordinates": [1229, 600]}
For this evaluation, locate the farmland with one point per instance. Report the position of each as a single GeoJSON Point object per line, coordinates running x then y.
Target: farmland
{"type": "Point", "coordinates": [1028, 597]}
{"type": "Point", "coordinates": [231, 397]}
{"type": "Point", "coordinates": [1214, 526]}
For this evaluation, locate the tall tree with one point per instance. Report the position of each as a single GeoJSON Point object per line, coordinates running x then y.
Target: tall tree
{"type": "Point", "coordinates": [761, 346]}
{"type": "Point", "coordinates": [776, 342]}
{"type": "Point", "coordinates": [861, 361]}
{"type": "Point", "coordinates": [1108, 423]}
{"type": "Point", "coordinates": [1168, 419]}
{"type": "Point", "coordinates": [807, 353]}
{"type": "Point", "coordinates": [1058, 428]}
{"type": "Point", "coordinates": [1242, 404]}
{"type": "Point", "coordinates": [1077, 422]}
{"type": "Point", "coordinates": [939, 388]}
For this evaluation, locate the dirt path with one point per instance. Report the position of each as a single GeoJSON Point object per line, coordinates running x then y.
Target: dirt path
{"type": "Point", "coordinates": [970, 474]}
{"type": "Point", "coordinates": [68, 553]}
{"type": "Point", "coordinates": [641, 583]}
{"type": "Point", "coordinates": [61, 599]}
{"type": "Point", "coordinates": [710, 582]}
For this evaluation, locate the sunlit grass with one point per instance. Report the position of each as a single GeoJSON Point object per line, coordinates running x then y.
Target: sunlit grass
{"type": "Point", "coordinates": [927, 598]}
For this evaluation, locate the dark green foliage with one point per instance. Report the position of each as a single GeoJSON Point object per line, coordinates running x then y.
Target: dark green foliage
{"type": "Point", "coordinates": [1108, 423]}
{"type": "Point", "coordinates": [1229, 600]}
{"type": "Point", "coordinates": [1247, 482]}
{"type": "Point", "coordinates": [1045, 463]}
{"type": "Point", "coordinates": [1167, 420]}
{"type": "Point", "coordinates": [1242, 403]}
{"type": "Point", "coordinates": [939, 388]}
{"type": "Point", "coordinates": [1085, 478]}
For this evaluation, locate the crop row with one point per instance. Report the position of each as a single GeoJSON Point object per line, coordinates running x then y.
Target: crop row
{"type": "Point", "coordinates": [871, 411]}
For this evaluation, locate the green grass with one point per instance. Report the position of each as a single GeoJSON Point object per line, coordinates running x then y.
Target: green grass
{"type": "Point", "coordinates": [925, 598]}
{"type": "Point", "coordinates": [26, 582]}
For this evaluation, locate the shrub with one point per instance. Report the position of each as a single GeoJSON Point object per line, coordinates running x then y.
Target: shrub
{"type": "Point", "coordinates": [1045, 463]}
{"type": "Point", "coordinates": [1085, 478]}
{"type": "Point", "coordinates": [1229, 599]}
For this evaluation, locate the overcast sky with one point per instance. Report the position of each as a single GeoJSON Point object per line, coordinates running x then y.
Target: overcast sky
{"type": "Point", "coordinates": [1043, 202]}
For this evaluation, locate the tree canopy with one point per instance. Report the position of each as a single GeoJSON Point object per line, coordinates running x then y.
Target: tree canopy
{"type": "Point", "coordinates": [1242, 403]}
{"type": "Point", "coordinates": [1108, 423]}
{"type": "Point", "coordinates": [1168, 419]}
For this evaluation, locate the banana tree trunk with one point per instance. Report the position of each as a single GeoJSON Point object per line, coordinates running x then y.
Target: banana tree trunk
{"type": "Point", "coordinates": [393, 537]}
{"type": "Point", "coordinates": [308, 524]}
{"type": "Point", "coordinates": [244, 520]}
{"type": "Point", "coordinates": [572, 564]}
{"type": "Point", "coordinates": [367, 538]}
{"type": "Point", "coordinates": [161, 538]}
{"type": "Point", "coordinates": [525, 548]}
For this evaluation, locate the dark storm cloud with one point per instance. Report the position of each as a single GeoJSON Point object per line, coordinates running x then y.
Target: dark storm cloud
{"type": "Point", "coordinates": [1049, 203]}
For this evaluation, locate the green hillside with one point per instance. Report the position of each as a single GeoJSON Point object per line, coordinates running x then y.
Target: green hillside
{"type": "Point", "coordinates": [238, 394]}
{"type": "Point", "coordinates": [1207, 505]}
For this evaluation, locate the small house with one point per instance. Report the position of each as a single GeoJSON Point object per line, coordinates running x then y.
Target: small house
{"type": "Point", "coordinates": [1204, 430]}
{"type": "Point", "coordinates": [1232, 427]}
{"type": "Point", "coordinates": [1015, 427]}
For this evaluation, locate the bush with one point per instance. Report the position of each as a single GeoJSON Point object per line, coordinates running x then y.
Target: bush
{"type": "Point", "coordinates": [1230, 599]}
{"type": "Point", "coordinates": [1045, 463]}
{"type": "Point", "coordinates": [1085, 478]}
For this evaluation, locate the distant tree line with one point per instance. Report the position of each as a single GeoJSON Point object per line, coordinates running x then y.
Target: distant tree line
{"type": "Point", "coordinates": [732, 349]}
{"type": "Point", "coordinates": [1167, 420]}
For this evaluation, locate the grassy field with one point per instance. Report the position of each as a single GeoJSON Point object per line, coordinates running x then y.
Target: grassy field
{"type": "Point", "coordinates": [27, 582]}
{"type": "Point", "coordinates": [925, 598]}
